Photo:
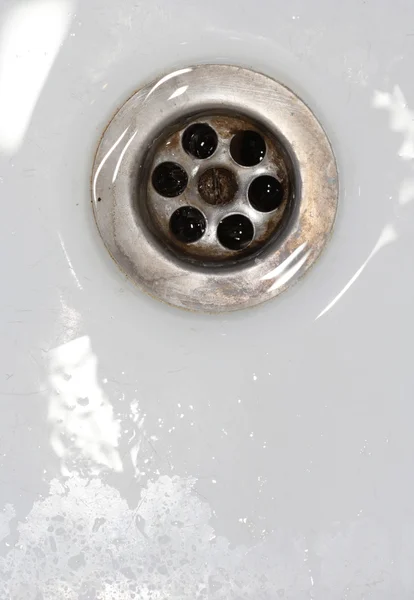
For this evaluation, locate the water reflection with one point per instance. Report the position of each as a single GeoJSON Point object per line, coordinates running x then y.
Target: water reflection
{"type": "Point", "coordinates": [30, 38]}
{"type": "Point", "coordinates": [387, 236]}
{"type": "Point", "coordinates": [105, 158]}
{"type": "Point", "coordinates": [401, 121]}
{"type": "Point", "coordinates": [70, 265]}
{"type": "Point", "coordinates": [178, 92]}
{"type": "Point", "coordinates": [85, 432]}
{"type": "Point", "coordinates": [167, 78]}
{"type": "Point", "coordinates": [401, 118]}
{"type": "Point", "coordinates": [118, 164]}
{"type": "Point", "coordinates": [284, 272]}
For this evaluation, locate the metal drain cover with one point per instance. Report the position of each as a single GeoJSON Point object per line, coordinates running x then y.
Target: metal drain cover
{"type": "Point", "coordinates": [214, 188]}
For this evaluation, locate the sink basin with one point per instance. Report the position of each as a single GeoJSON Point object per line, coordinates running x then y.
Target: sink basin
{"type": "Point", "coordinates": [150, 452]}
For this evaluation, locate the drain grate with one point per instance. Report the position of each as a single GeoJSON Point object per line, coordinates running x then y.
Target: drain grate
{"type": "Point", "coordinates": [214, 188]}
{"type": "Point", "coordinates": [236, 176]}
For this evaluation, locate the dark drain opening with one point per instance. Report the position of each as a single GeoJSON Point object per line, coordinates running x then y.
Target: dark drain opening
{"type": "Point", "coordinates": [169, 179]}
{"type": "Point", "coordinates": [235, 232]}
{"type": "Point", "coordinates": [188, 224]}
{"type": "Point", "coordinates": [248, 148]}
{"type": "Point", "coordinates": [200, 140]}
{"type": "Point", "coordinates": [266, 193]}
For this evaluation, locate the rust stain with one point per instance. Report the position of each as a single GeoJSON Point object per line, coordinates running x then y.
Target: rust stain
{"type": "Point", "coordinates": [217, 186]}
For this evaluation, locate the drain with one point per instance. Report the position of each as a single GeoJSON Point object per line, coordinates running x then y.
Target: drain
{"type": "Point", "coordinates": [200, 140]}
{"type": "Point", "coordinates": [169, 179]}
{"type": "Point", "coordinates": [266, 193]}
{"type": "Point", "coordinates": [187, 224]}
{"type": "Point", "coordinates": [248, 148]}
{"type": "Point", "coordinates": [235, 232]}
{"type": "Point", "coordinates": [217, 186]}
{"type": "Point", "coordinates": [214, 188]}
{"type": "Point", "coordinates": [223, 155]}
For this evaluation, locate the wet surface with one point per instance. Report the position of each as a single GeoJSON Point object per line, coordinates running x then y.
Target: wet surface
{"type": "Point", "coordinates": [260, 454]}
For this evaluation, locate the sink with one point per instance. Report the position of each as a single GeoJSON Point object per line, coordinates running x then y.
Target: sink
{"type": "Point", "coordinates": [152, 452]}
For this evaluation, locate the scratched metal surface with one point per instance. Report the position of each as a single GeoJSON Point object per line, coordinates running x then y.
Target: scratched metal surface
{"type": "Point", "coordinates": [150, 453]}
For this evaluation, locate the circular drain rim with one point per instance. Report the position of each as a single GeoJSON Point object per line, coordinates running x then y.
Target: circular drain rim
{"type": "Point", "coordinates": [123, 148]}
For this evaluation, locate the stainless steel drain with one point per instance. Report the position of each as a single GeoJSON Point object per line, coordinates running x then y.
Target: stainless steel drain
{"type": "Point", "coordinates": [214, 188]}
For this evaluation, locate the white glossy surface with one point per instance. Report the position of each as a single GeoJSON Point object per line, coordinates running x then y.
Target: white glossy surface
{"type": "Point", "coordinates": [148, 451]}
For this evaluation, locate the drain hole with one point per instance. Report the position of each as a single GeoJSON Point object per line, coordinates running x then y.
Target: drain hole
{"type": "Point", "coordinates": [266, 193]}
{"type": "Point", "coordinates": [200, 140]}
{"type": "Point", "coordinates": [248, 148]}
{"type": "Point", "coordinates": [169, 179]}
{"type": "Point", "coordinates": [235, 232]}
{"type": "Point", "coordinates": [217, 186]}
{"type": "Point", "coordinates": [188, 224]}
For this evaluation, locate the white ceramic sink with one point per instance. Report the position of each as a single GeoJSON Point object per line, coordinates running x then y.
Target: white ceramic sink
{"type": "Point", "coordinates": [152, 453]}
